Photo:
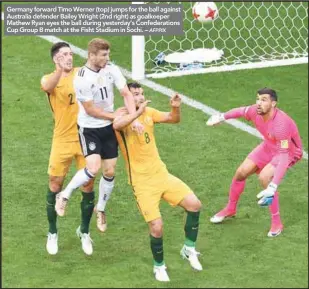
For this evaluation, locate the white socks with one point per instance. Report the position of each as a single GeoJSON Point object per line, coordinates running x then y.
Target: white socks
{"type": "Point", "coordinates": [105, 189]}
{"type": "Point", "coordinates": [82, 177]}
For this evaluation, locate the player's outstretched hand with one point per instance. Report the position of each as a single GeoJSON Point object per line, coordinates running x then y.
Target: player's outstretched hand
{"type": "Point", "coordinates": [142, 106]}
{"type": "Point", "coordinates": [175, 100]}
{"type": "Point", "coordinates": [215, 119]}
{"type": "Point", "coordinates": [266, 196]}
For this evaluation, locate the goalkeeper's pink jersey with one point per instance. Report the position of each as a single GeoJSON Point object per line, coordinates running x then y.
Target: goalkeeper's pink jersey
{"type": "Point", "coordinates": [280, 132]}
{"type": "Point", "coordinates": [281, 136]}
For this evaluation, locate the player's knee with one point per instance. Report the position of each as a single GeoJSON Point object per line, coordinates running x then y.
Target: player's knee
{"type": "Point", "coordinates": [54, 187]}
{"type": "Point", "coordinates": [156, 228]}
{"type": "Point", "coordinates": [197, 205]}
{"type": "Point", "coordinates": [194, 206]}
{"type": "Point", "coordinates": [191, 203]}
{"type": "Point", "coordinates": [55, 184]}
{"type": "Point", "coordinates": [88, 187]}
{"type": "Point", "coordinates": [241, 174]}
{"type": "Point", "coordinates": [109, 172]}
{"type": "Point", "coordinates": [93, 168]}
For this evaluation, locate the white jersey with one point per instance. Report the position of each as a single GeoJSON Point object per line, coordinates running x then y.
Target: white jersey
{"type": "Point", "coordinates": [97, 86]}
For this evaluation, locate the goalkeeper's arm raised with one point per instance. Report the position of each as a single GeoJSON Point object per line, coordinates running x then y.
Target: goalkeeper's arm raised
{"type": "Point", "coordinates": [233, 113]}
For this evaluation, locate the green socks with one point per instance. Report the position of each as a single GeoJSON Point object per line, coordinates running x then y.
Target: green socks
{"type": "Point", "coordinates": [51, 213]}
{"type": "Point", "coordinates": [156, 245]}
{"type": "Point", "coordinates": [191, 231]}
{"type": "Point", "coordinates": [191, 228]}
{"type": "Point", "coordinates": [86, 205]}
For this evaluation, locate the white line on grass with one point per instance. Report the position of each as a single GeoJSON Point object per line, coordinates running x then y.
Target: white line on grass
{"type": "Point", "coordinates": [166, 91]}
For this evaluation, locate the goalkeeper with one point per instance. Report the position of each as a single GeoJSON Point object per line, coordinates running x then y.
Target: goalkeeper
{"type": "Point", "coordinates": [281, 149]}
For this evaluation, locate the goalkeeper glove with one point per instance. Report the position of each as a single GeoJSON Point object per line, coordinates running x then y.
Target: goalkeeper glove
{"type": "Point", "coordinates": [266, 197]}
{"type": "Point", "coordinates": [215, 119]}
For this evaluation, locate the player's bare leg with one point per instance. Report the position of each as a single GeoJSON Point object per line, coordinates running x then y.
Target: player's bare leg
{"type": "Point", "coordinates": [55, 186]}
{"type": "Point", "coordinates": [105, 190]}
{"type": "Point", "coordinates": [247, 168]}
{"type": "Point", "coordinates": [265, 178]}
{"type": "Point", "coordinates": [156, 244]}
{"type": "Point", "coordinates": [61, 204]}
{"type": "Point", "coordinates": [192, 205]}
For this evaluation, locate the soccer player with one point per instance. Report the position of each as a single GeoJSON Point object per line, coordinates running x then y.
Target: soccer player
{"type": "Point", "coordinates": [65, 146]}
{"type": "Point", "coordinates": [94, 86]}
{"type": "Point", "coordinates": [281, 149]}
{"type": "Point", "coordinates": [151, 181]}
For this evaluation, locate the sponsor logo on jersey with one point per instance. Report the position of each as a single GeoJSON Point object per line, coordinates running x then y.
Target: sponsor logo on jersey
{"type": "Point", "coordinates": [148, 120]}
{"type": "Point", "coordinates": [110, 77]}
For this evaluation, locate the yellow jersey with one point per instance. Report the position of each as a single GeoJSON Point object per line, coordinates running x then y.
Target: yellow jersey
{"type": "Point", "coordinates": [140, 151]}
{"type": "Point", "coordinates": [64, 107]}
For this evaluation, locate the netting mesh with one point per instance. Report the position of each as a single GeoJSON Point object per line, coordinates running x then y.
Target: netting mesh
{"type": "Point", "coordinates": [245, 31]}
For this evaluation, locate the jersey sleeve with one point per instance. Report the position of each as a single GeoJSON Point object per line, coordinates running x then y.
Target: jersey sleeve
{"type": "Point", "coordinates": [250, 112]}
{"type": "Point", "coordinates": [82, 89]}
{"type": "Point", "coordinates": [156, 115]}
{"type": "Point", "coordinates": [43, 80]}
{"type": "Point", "coordinates": [282, 135]}
{"type": "Point", "coordinates": [119, 79]}
{"type": "Point", "coordinates": [247, 112]}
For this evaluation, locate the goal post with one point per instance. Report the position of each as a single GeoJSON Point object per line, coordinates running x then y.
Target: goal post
{"type": "Point", "coordinates": [138, 57]}
{"type": "Point", "coordinates": [249, 34]}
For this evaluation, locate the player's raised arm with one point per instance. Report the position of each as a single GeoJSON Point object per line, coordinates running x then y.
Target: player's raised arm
{"type": "Point", "coordinates": [122, 121]}
{"type": "Point", "coordinates": [129, 102]}
{"type": "Point", "coordinates": [169, 117]}
{"type": "Point", "coordinates": [121, 84]}
{"type": "Point", "coordinates": [48, 84]}
{"type": "Point", "coordinates": [128, 99]}
{"type": "Point", "coordinates": [245, 111]}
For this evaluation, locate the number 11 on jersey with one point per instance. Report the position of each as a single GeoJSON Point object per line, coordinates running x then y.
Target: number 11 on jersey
{"type": "Point", "coordinates": [103, 91]}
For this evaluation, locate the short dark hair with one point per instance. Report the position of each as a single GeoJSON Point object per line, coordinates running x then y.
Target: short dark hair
{"type": "Point", "coordinates": [272, 93]}
{"type": "Point", "coordinates": [134, 85]}
{"type": "Point", "coordinates": [56, 47]}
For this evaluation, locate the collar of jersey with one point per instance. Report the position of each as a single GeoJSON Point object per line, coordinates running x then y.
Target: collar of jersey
{"type": "Point", "coordinates": [92, 69]}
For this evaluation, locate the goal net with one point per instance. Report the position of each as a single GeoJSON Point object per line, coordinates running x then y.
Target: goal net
{"type": "Point", "coordinates": [245, 35]}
